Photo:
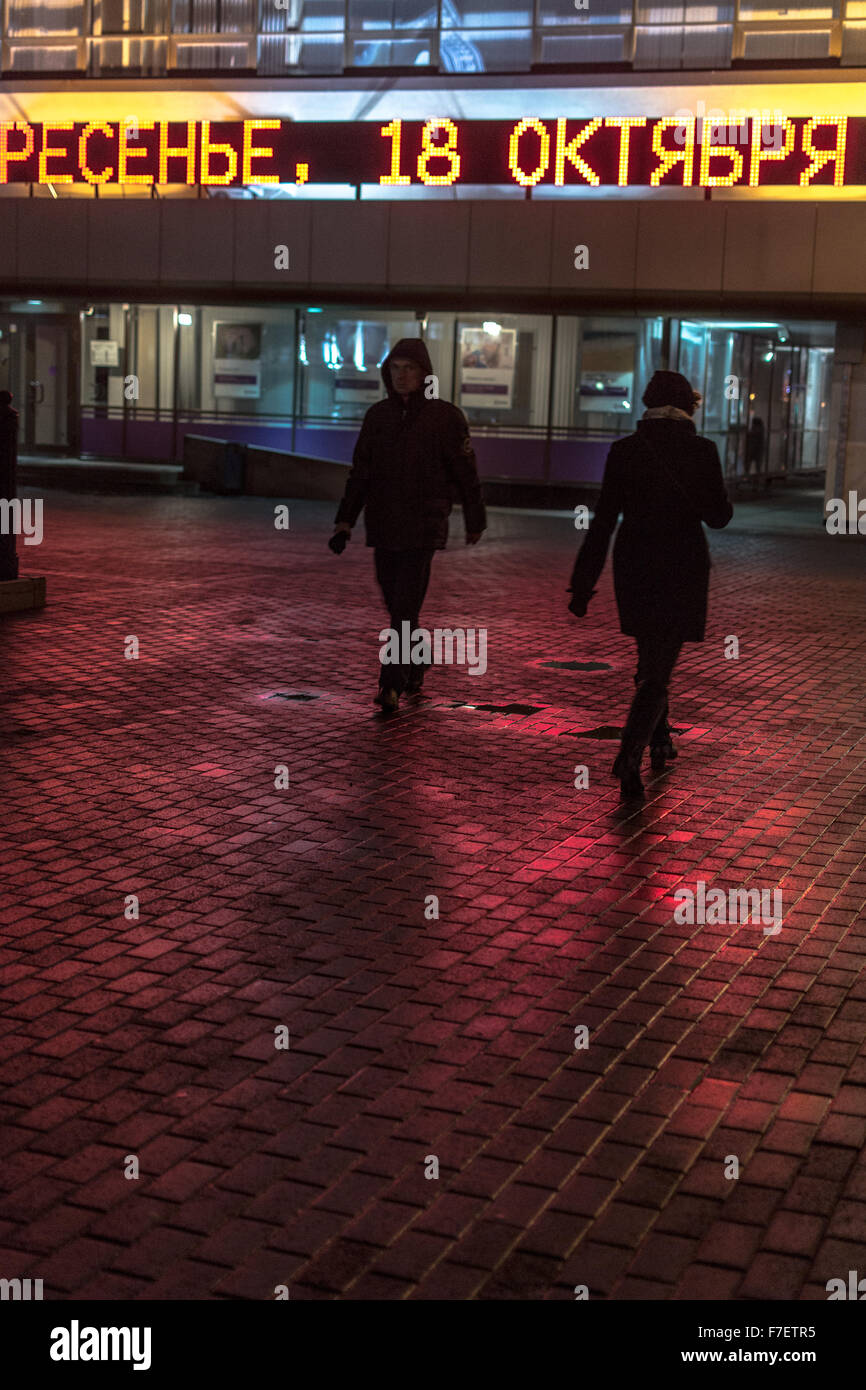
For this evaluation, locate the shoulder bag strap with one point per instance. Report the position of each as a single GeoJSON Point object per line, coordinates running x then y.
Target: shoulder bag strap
{"type": "Point", "coordinates": [668, 475]}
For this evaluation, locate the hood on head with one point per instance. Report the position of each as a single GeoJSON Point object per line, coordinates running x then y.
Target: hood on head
{"type": "Point", "coordinates": [413, 348]}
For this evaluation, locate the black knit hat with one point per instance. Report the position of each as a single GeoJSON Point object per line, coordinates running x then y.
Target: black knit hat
{"type": "Point", "coordinates": [670, 388]}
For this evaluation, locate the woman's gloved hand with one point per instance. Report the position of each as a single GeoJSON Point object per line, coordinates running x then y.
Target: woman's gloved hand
{"type": "Point", "coordinates": [578, 605]}
{"type": "Point", "coordinates": [340, 538]}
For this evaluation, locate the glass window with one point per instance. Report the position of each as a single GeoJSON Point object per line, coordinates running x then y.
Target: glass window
{"type": "Point", "coordinates": [212, 57]}
{"type": "Point", "coordinates": [598, 12]}
{"type": "Point", "coordinates": [115, 56]}
{"type": "Point", "coordinates": [503, 369]}
{"type": "Point", "coordinates": [791, 45]}
{"type": "Point", "coordinates": [320, 16]}
{"type": "Point", "coordinates": [127, 17]}
{"type": "Point", "coordinates": [854, 44]}
{"type": "Point", "coordinates": [470, 13]}
{"type": "Point", "coordinates": [340, 352]}
{"type": "Point", "coordinates": [585, 48]}
{"type": "Point", "coordinates": [707, 45]}
{"type": "Point", "coordinates": [658, 47]}
{"type": "Point", "coordinates": [247, 360]}
{"type": "Point", "coordinates": [33, 58]}
{"type": "Point", "coordinates": [794, 9]}
{"type": "Point", "coordinates": [392, 14]}
{"type": "Point", "coordinates": [485, 50]}
{"type": "Point", "coordinates": [213, 16]}
{"type": "Point", "coordinates": [52, 17]}
{"type": "Point", "coordinates": [393, 53]}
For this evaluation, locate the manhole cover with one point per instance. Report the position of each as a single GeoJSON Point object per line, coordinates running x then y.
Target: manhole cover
{"type": "Point", "coordinates": [609, 731]}
{"type": "Point", "coordinates": [578, 665]}
{"type": "Point", "coordinates": [503, 709]}
{"type": "Point", "coordinates": [281, 695]}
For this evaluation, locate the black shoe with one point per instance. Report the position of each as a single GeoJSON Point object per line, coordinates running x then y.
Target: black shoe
{"type": "Point", "coordinates": [627, 769]}
{"type": "Point", "coordinates": [662, 749]}
{"type": "Point", "coordinates": [415, 683]}
{"type": "Point", "coordinates": [389, 701]}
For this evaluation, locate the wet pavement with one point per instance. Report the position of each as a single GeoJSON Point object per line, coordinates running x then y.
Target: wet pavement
{"type": "Point", "coordinates": [316, 975]}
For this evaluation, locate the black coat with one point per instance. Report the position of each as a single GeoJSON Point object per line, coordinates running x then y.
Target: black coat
{"type": "Point", "coordinates": [661, 561]}
{"type": "Point", "coordinates": [411, 462]}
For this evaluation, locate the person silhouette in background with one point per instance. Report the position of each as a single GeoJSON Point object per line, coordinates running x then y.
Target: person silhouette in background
{"type": "Point", "coordinates": [413, 456]}
{"type": "Point", "coordinates": [754, 447]}
{"type": "Point", "coordinates": [665, 480]}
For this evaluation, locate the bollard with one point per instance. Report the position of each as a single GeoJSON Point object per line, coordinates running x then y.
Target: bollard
{"type": "Point", "coordinates": [8, 481]}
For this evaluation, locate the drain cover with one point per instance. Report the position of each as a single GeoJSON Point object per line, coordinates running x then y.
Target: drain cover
{"type": "Point", "coordinates": [504, 709]}
{"type": "Point", "coordinates": [280, 695]}
{"type": "Point", "coordinates": [609, 731]}
{"type": "Point", "coordinates": [578, 665]}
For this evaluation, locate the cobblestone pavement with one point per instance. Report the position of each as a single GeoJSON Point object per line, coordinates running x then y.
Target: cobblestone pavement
{"type": "Point", "coordinates": [412, 1037]}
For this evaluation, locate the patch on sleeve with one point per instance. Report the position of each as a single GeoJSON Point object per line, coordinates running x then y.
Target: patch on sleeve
{"type": "Point", "coordinates": [466, 446]}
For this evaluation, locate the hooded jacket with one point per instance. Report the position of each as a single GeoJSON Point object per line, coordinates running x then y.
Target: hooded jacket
{"type": "Point", "coordinates": [410, 463]}
{"type": "Point", "coordinates": [666, 480]}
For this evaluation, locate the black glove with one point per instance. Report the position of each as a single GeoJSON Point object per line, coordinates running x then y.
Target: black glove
{"type": "Point", "coordinates": [339, 541]}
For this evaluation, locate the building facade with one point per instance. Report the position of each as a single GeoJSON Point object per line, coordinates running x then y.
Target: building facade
{"type": "Point", "coordinates": [217, 218]}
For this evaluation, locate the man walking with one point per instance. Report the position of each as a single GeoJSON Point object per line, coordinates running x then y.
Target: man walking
{"type": "Point", "coordinates": [413, 458]}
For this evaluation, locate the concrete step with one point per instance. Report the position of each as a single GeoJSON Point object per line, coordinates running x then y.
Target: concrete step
{"type": "Point", "coordinates": [104, 475]}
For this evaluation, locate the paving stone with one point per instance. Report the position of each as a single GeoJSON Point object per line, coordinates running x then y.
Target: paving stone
{"type": "Point", "coordinates": [413, 1037]}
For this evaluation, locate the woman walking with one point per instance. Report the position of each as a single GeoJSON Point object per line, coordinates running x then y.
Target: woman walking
{"type": "Point", "coordinates": [666, 480]}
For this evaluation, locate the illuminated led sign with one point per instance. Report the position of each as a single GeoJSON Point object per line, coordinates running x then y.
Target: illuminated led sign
{"type": "Point", "coordinates": [624, 151]}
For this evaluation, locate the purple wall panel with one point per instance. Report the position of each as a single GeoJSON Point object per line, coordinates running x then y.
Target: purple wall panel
{"type": "Point", "coordinates": [523, 459]}
{"type": "Point", "coordinates": [102, 437]}
{"type": "Point", "coordinates": [578, 460]}
{"type": "Point", "coordinates": [150, 440]}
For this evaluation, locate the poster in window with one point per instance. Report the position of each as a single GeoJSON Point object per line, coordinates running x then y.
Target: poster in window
{"type": "Point", "coordinates": [237, 360]}
{"type": "Point", "coordinates": [607, 372]}
{"type": "Point", "coordinates": [487, 367]}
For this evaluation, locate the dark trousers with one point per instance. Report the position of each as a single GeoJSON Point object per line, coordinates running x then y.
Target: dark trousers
{"type": "Point", "coordinates": [657, 655]}
{"type": "Point", "coordinates": [403, 577]}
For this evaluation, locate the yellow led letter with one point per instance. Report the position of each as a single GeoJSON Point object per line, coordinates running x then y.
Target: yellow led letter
{"type": "Point", "coordinates": [252, 151]}
{"type": "Point", "coordinates": [208, 150]}
{"type": "Point", "coordinates": [625, 124]}
{"type": "Point", "coordinates": [710, 151]}
{"type": "Point", "coordinates": [86, 171]}
{"type": "Point", "coordinates": [8, 156]}
{"type": "Point", "coordinates": [819, 158]}
{"type": "Point", "coordinates": [447, 151]}
{"type": "Point", "coordinates": [758, 154]}
{"type": "Point", "coordinates": [670, 157]}
{"type": "Point", "coordinates": [528, 180]}
{"type": "Point", "coordinates": [137, 152]}
{"type": "Point", "coordinates": [47, 152]}
{"type": "Point", "coordinates": [395, 130]}
{"type": "Point", "coordinates": [569, 151]}
{"type": "Point", "coordinates": [167, 152]}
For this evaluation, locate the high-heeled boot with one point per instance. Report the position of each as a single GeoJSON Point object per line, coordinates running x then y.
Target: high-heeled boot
{"type": "Point", "coordinates": [627, 769]}
{"type": "Point", "coordinates": [661, 744]}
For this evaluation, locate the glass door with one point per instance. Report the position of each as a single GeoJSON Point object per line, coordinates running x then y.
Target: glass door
{"type": "Point", "coordinates": [37, 366]}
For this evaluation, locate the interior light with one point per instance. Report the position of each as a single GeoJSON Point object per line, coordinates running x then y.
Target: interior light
{"type": "Point", "coordinates": [34, 301]}
{"type": "Point", "coordinates": [315, 311]}
{"type": "Point", "coordinates": [768, 356]}
{"type": "Point", "coordinates": [184, 320]}
{"type": "Point", "coordinates": [494, 329]}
